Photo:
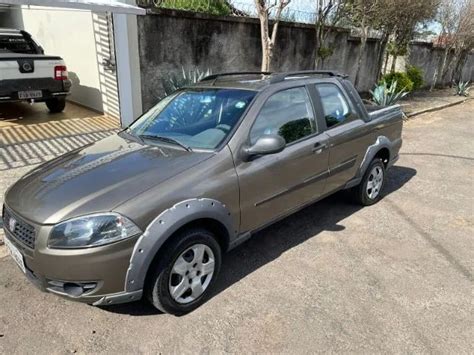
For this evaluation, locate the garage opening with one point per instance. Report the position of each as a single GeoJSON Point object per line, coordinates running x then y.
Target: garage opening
{"type": "Point", "coordinates": [93, 39]}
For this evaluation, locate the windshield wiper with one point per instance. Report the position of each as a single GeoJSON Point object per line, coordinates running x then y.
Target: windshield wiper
{"type": "Point", "coordinates": [165, 139]}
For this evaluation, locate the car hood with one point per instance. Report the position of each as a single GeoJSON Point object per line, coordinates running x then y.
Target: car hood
{"type": "Point", "coordinates": [96, 178]}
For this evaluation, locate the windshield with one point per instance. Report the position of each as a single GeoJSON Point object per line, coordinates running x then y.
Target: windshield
{"type": "Point", "coordinates": [196, 118]}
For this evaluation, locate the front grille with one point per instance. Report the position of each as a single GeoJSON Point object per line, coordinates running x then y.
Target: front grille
{"type": "Point", "coordinates": [21, 230]}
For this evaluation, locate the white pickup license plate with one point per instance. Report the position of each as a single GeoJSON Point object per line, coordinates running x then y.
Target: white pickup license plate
{"type": "Point", "coordinates": [32, 94]}
{"type": "Point", "coordinates": [16, 255]}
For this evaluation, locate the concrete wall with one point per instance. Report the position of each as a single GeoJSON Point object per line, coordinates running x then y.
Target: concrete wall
{"type": "Point", "coordinates": [170, 40]}
{"type": "Point", "coordinates": [429, 58]}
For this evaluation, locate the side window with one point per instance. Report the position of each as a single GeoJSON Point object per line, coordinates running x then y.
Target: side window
{"type": "Point", "coordinates": [287, 113]}
{"type": "Point", "coordinates": [335, 107]}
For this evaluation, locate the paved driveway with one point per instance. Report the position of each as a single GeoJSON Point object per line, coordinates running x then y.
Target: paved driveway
{"type": "Point", "coordinates": [29, 135]}
{"type": "Point", "coordinates": [395, 277]}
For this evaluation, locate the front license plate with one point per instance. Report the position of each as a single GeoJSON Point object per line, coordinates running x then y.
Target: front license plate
{"type": "Point", "coordinates": [32, 94]}
{"type": "Point", "coordinates": [16, 255]}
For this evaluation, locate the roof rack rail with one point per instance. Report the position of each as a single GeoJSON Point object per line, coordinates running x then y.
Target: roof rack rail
{"type": "Point", "coordinates": [278, 77]}
{"type": "Point", "coordinates": [216, 76]}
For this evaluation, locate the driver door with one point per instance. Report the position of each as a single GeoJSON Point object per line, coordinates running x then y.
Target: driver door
{"type": "Point", "coordinates": [272, 185]}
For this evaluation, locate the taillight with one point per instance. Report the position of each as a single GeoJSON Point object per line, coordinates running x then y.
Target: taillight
{"type": "Point", "coordinates": [60, 72]}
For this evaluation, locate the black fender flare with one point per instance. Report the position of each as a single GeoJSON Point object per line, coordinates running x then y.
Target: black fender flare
{"type": "Point", "coordinates": [163, 227]}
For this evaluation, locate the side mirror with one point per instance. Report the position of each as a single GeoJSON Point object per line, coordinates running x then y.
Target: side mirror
{"type": "Point", "coordinates": [269, 144]}
{"type": "Point", "coordinates": [41, 50]}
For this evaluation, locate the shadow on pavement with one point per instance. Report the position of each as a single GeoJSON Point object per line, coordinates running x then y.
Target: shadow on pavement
{"type": "Point", "coordinates": [268, 244]}
{"type": "Point", "coordinates": [32, 135]}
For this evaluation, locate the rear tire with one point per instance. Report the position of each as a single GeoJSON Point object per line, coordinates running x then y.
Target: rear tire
{"type": "Point", "coordinates": [56, 105]}
{"type": "Point", "coordinates": [368, 192]}
{"type": "Point", "coordinates": [184, 272]}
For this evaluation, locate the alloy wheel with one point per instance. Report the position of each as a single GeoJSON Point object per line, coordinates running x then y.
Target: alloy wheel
{"type": "Point", "coordinates": [191, 273]}
{"type": "Point", "coordinates": [375, 182]}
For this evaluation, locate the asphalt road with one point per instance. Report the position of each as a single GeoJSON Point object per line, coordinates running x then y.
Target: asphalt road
{"type": "Point", "coordinates": [395, 277]}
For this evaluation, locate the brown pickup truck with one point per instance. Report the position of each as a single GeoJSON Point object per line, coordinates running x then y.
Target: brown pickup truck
{"type": "Point", "coordinates": [151, 210]}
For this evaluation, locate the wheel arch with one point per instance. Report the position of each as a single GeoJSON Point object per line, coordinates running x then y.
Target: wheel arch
{"type": "Point", "coordinates": [206, 213]}
{"type": "Point", "coordinates": [382, 148]}
{"type": "Point", "coordinates": [384, 154]}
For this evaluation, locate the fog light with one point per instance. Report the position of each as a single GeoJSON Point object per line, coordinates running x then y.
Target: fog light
{"type": "Point", "coordinates": [73, 289]}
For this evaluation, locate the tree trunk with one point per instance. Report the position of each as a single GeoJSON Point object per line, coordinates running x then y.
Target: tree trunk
{"type": "Point", "coordinates": [435, 79]}
{"type": "Point", "coordinates": [385, 67]}
{"type": "Point", "coordinates": [363, 42]}
{"type": "Point", "coordinates": [317, 46]}
{"type": "Point", "coordinates": [266, 59]}
{"type": "Point", "coordinates": [443, 65]}
{"type": "Point", "coordinates": [394, 64]}
{"type": "Point", "coordinates": [440, 70]}
{"type": "Point", "coordinates": [453, 63]}
{"type": "Point", "coordinates": [456, 75]}
{"type": "Point", "coordinates": [383, 46]}
{"type": "Point", "coordinates": [265, 40]}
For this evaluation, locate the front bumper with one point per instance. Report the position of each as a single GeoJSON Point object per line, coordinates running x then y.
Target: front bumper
{"type": "Point", "coordinates": [49, 87]}
{"type": "Point", "coordinates": [93, 275]}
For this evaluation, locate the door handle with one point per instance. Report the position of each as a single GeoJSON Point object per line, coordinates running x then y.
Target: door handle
{"type": "Point", "coordinates": [319, 147]}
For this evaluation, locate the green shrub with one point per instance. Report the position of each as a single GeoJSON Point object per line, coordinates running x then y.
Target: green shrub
{"type": "Point", "coordinates": [214, 7]}
{"type": "Point", "coordinates": [462, 88]}
{"type": "Point", "coordinates": [386, 95]}
{"type": "Point", "coordinates": [416, 76]}
{"type": "Point", "coordinates": [404, 83]}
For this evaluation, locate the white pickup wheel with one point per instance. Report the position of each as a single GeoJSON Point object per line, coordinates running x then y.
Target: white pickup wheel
{"type": "Point", "coordinates": [56, 105]}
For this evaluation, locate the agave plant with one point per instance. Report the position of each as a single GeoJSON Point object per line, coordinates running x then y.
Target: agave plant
{"type": "Point", "coordinates": [385, 95]}
{"type": "Point", "coordinates": [174, 81]}
{"type": "Point", "coordinates": [462, 88]}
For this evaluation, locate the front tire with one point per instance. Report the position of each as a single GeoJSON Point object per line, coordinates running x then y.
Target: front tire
{"type": "Point", "coordinates": [368, 192]}
{"type": "Point", "coordinates": [185, 272]}
{"type": "Point", "coordinates": [56, 105]}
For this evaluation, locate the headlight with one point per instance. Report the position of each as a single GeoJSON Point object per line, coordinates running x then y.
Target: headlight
{"type": "Point", "coordinates": [91, 231]}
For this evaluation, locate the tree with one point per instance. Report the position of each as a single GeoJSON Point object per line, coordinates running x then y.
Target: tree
{"type": "Point", "coordinates": [449, 17]}
{"type": "Point", "coordinates": [264, 9]}
{"type": "Point", "coordinates": [215, 7]}
{"type": "Point", "coordinates": [465, 42]}
{"type": "Point", "coordinates": [397, 20]}
{"type": "Point", "coordinates": [456, 20]}
{"type": "Point", "coordinates": [363, 14]}
{"type": "Point", "coordinates": [328, 14]}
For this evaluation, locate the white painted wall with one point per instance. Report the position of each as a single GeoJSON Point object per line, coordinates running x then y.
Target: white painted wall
{"type": "Point", "coordinates": [104, 45]}
{"type": "Point", "coordinates": [69, 34]}
{"type": "Point", "coordinates": [128, 66]}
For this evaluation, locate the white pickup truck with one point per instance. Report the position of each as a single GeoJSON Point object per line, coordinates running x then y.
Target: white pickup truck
{"type": "Point", "coordinates": [27, 74]}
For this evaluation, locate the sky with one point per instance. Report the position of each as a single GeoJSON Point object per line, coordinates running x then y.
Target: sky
{"type": "Point", "coordinates": [310, 6]}
{"type": "Point", "coordinates": [298, 5]}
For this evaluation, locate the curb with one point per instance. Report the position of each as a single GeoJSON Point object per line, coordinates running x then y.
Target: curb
{"type": "Point", "coordinates": [436, 108]}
